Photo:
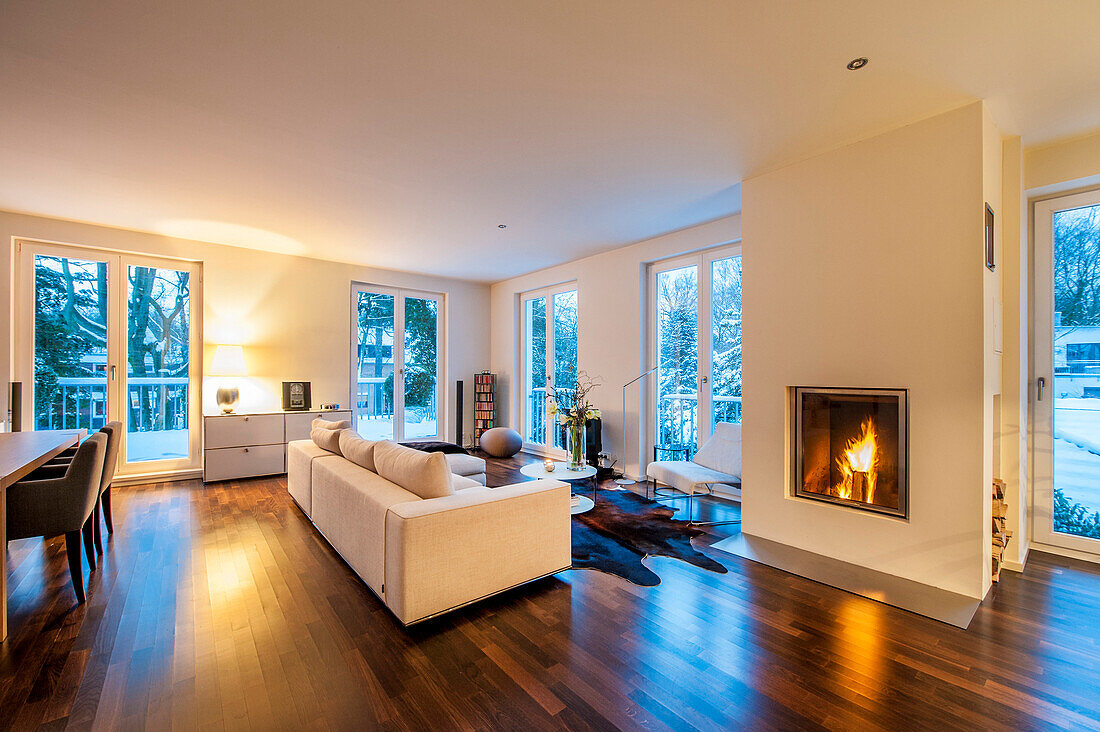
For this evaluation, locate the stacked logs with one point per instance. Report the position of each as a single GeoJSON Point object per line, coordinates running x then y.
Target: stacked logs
{"type": "Point", "coordinates": [1001, 534]}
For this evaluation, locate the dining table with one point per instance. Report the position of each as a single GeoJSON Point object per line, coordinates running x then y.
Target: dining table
{"type": "Point", "coordinates": [20, 454]}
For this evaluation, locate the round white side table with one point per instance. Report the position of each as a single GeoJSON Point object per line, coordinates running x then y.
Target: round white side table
{"type": "Point", "coordinates": [562, 472]}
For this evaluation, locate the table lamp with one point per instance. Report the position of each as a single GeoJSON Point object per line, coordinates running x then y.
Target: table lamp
{"type": "Point", "coordinates": [228, 361]}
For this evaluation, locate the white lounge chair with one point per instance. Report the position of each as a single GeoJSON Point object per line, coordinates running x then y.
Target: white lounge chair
{"type": "Point", "coordinates": [718, 462]}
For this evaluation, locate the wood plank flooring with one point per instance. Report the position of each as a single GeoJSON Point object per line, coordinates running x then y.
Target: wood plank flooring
{"type": "Point", "coordinates": [221, 607]}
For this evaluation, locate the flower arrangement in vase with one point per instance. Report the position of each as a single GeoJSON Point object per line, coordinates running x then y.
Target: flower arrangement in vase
{"type": "Point", "coordinates": [571, 409]}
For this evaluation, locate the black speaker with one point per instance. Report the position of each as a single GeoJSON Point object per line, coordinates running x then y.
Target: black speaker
{"type": "Point", "coordinates": [458, 413]}
{"type": "Point", "coordinates": [15, 407]}
{"type": "Point", "coordinates": [593, 438]}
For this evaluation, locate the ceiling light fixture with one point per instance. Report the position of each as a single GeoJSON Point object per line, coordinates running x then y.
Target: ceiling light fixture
{"type": "Point", "coordinates": [857, 63]}
{"type": "Point", "coordinates": [502, 226]}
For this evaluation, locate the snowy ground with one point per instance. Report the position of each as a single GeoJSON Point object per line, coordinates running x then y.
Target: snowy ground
{"type": "Point", "coordinates": [161, 445]}
{"type": "Point", "coordinates": [381, 428]}
{"type": "Point", "coordinates": [1077, 450]}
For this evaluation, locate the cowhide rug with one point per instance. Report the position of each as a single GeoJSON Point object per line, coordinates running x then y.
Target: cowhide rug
{"type": "Point", "coordinates": [624, 528]}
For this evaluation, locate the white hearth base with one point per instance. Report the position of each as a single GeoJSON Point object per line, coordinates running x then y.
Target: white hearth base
{"type": "Point", "coordinates": [943, 605]}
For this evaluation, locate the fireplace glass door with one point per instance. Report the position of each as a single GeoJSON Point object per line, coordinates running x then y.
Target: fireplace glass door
{"type": "Point", "coordinates": [850, 448]}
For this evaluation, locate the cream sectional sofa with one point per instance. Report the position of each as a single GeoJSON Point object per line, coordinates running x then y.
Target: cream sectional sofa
{"type": "Point", "coordinates": [426, 556]}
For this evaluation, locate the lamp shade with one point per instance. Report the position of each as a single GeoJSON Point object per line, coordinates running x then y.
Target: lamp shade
{"type": "Point", "coordinates": [228, 361]}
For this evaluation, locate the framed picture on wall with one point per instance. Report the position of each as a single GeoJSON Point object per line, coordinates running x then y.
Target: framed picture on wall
{"type": "Point", "coordinates": [990, 249]}
{"type": "Point", "coordinates": [296, 396]}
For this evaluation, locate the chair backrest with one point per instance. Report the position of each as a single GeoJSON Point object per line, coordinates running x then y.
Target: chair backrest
{"type": "Point", "coordinates": [722, 452]}
{"type": "Point", "coordinates": [86, 473]}
{"type": "Point", "coordinates": [59, 505]}
{"type": "Point", "coordinates": [113, 430]}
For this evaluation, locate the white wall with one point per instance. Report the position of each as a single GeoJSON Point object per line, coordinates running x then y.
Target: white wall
{"type": "Point", "coordinates": [291, 314]}
{"type": "Point", "coordinates": [1076, 160]}
{"type": "Point", "coordinates": [993, 331]}
{"type": "Point", "coordinates": [1015, 280]}
{"type": "Point", "coordinates": [864, 267]}
{"type": "Point", "coordinates": [611, 335]}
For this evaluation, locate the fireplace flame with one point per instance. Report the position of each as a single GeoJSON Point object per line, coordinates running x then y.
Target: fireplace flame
{"type": "Point", "coordinates": [859, 465]}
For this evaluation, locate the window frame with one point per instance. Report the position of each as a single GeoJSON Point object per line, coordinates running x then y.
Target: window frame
{"type": "Point", "coordinates": [1042, 447]}
{"type": "Point", "coordinates": [704, 261]}
{"type": "Point", "coordinates": [118, 385]}
{"type": "Point", "coordinates": [400, 295]}
{"type": "Point", "coordinates": [548, 293]}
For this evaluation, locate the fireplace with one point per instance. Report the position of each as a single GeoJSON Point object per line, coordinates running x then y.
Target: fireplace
{"type": "Point", "coordinates": [850, 447]}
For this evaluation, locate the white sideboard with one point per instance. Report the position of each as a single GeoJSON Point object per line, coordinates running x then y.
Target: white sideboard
{"type": "Point", "coordinates": [249, 445]}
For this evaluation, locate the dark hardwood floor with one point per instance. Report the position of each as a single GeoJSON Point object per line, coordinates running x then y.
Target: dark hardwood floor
{"type": "Point", "coordinates": [221, 607]}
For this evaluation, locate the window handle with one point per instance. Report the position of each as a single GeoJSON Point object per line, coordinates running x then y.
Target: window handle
{"type": "Point", "coordinates": [1041, 384]}
{"type": "Point", "coordinates": [112, 372]}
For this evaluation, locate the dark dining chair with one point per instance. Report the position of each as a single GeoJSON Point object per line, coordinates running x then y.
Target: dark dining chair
{"type": "Point", "coordinates": [62, 506]}
{"type": "Point", "coordinates": [114, 439]}
{"type": "Point", "coordinates": [55, 468]}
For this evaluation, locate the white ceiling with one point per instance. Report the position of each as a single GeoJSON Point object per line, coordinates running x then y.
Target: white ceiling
{"type": "Point", "coordinates": [399, 134]}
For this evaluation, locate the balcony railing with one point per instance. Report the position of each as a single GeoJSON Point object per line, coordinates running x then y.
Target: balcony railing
{"type": "Point", "coordinates": [536, 417]}
{"type": "Point", "coordinates": [677, 415]}
{"type": "Point", "coordinates": [371, 402]}
{"type": "Point", "coordinates": [153, 403]}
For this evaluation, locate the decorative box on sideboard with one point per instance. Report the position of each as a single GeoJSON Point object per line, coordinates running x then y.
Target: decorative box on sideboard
{"type": "Point", "coordinates": [251, 445]}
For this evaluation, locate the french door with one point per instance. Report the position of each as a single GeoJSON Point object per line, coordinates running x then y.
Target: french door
{"type": "Point", "coordinates": [397, 339]}
{"type": "Point", "coordinates": [104, 336]}
{"type": "Point", "coordinates": [548, 336]}
{"type": "Point", "coordinates": [1066, 510]}
{"type": "Point", "coordinates": [696, 346]}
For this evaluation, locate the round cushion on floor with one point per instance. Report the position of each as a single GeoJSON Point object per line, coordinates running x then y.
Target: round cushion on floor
{"type": "Point", "coordinates": [501, 442]}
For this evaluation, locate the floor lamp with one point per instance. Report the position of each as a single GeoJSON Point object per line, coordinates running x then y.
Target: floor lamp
{"type": "Point", "coordinates": [625, 480]}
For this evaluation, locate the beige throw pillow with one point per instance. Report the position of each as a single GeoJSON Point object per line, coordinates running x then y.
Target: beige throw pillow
{"type": "Point", "coordinates": [324, 424]}
{"type": "Point", "coordinates": [356, 449]}
{"type": "Point", "coordinates": [327, 439]}
{"type": "Point", "coordinates": [424, 473]}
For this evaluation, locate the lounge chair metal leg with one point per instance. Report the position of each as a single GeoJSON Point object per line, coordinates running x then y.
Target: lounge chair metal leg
{"type": "Point", "coordinates": [691, 514]}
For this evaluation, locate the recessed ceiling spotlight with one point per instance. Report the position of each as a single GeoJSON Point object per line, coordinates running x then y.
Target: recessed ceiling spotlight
{"type": "Point", "coordinates": [857, 63]}
{"type": "Point", "coordinates": [502, 226]}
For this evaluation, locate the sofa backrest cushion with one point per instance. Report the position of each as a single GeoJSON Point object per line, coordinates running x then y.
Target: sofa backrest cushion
{"type": "Point", "coordinates": [424, 473]}
{"type": "Point", "coordinates": [326, 439]}
{"type": "Point", "coordinates": [356, 449]}
{"type": "Point", "coordinates": [327, 424]}
{"type": "Point", "coordinates": [722, 452]}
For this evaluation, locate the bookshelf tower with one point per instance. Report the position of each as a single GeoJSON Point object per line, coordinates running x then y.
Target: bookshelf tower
{"type": "Point", "coordinates": [484, 403]}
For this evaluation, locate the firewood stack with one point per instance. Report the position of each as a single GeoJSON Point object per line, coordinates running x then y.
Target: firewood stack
{"type": "Point", "coordinates": [1001, 534]}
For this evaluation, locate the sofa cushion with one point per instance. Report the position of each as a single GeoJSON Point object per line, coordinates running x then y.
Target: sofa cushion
{"type": "Point", "coordinates": [468, 465]}
{"type": "Point", "coordinates": [357, 450]}
{"type": "Point", "coordinates": [688, 477]}
{"type": "Point", "coordinates": [328, 424]}
{"type": "Point", "coordinates": [326, 439]}
{"type": "Point", "coordinates": [462, 483]}
{"type": "Point", "coordinates": [426, 474]}
{"type": "Point", "coordinates": [722, 452]}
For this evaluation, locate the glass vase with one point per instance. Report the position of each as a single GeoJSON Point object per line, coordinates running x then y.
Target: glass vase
{"type": "Point", "coordinates": [575, 438]}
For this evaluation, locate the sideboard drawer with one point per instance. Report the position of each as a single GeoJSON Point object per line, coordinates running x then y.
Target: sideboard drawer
{"type": "Point", "coordinates": [249, 429]}
{"type": "Point", "coordinates": [239, 462]}
{"type": "Point", "coordinates": [299, 424]}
